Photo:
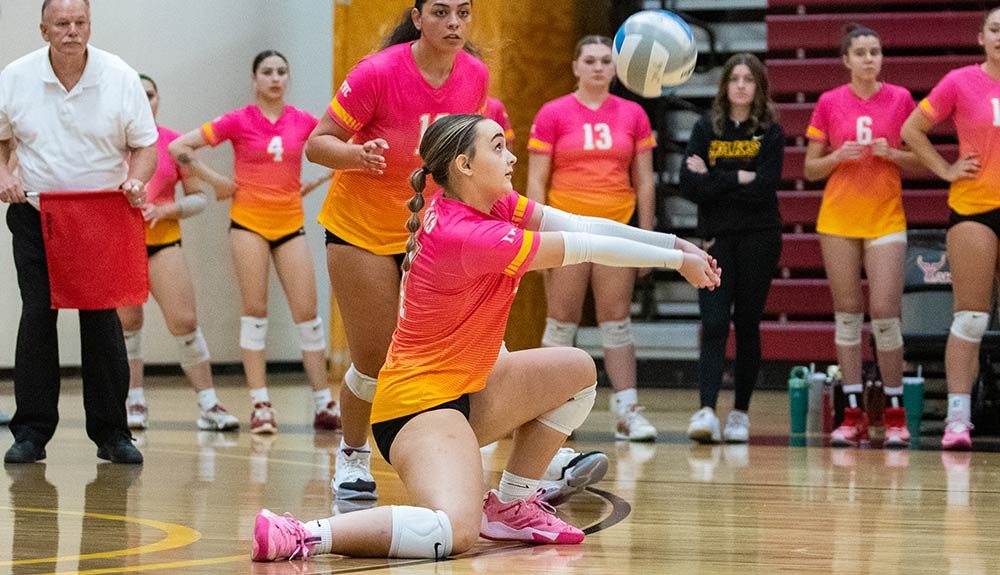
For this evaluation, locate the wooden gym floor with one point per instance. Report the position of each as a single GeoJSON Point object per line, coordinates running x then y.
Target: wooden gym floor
{"type": "Point", "coordinates": [666, 507]}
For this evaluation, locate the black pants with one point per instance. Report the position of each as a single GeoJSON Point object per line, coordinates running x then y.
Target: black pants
{"type": "Point", "coordinates": [748, 261]}
{"type": "Point", "coordinates": [36, 359]}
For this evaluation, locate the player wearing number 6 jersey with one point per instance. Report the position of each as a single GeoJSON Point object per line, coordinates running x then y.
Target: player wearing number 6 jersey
{"type": "Point", "coordinates": [267, 223]}
{"type": "Point", "coordinates": [854, 141]}
{"type": "Point", "coordinates": [598, 150]}
{"type": "Point", "coordinates": [971, 96]}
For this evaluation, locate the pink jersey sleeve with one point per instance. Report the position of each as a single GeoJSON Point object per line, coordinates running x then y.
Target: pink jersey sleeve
{"type": "Point", "coordinates": [222, 128]}
{"type": "Point", "coordinates": [819, 124]}
{"type": "Point", "coordinates": [354, 104]}
{"type": "Point", "coordinates": [940, 103]}
{"type": "Point", "coordinates": [514, 208]}
{"type": "Point", "coordinates": [495, 247]}
{"type": "Point", "coordinates": [644, 138]}
{"type": "Point", "coordinates": [543, 132]}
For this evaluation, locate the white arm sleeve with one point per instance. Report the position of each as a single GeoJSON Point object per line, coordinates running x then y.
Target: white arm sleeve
{"type": "Point", "coordinates": [556, 220]}
{"type": "Point", "coordinates": [192, 204]}
{"type": "Point", "coordinates": [617, 252]}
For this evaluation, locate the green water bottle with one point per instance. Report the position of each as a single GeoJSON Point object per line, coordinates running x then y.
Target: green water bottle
{"type": "Point", "coordinates": [913, 402]}
{"type": "Point", "coordinates": [798, 397]}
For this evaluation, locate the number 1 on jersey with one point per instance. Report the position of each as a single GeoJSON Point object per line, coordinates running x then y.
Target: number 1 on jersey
{"type": "Point", "coordinates": [275, 148]}
{"type": "Point", "coordinates": [996, 111]}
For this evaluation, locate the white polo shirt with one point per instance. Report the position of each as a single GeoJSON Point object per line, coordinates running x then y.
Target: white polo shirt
{"type": "Point", "coordinates": [76, 140]}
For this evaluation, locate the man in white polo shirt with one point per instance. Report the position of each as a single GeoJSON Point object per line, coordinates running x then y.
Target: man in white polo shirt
{"type": "Point", "coordinates": [80, 121]}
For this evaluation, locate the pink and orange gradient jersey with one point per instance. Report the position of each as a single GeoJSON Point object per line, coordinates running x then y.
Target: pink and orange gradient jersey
{"type": "Point", "coordinates": [268, 167]}
{"type": "Point", "coordinates": [973, 99]}
{"type": "Point", "coordinates": [455, 300]}
{"type": "Point", "coordinates": [386, 96]}
{"type": "Point", "coordinates": [161, 189]}
{"type": "Point", "coordinates": [496, 111]}
{"type": "Point", "coordinates": [863, 198]}
{"type": "Point", "coordinates": [592, 153]}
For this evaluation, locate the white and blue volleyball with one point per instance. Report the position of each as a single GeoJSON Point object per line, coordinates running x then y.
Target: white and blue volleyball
{"type": "Point", "coordinates": [653, 50]}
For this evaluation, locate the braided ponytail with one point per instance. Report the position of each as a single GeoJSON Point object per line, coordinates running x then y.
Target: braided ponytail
{"type": "Point", "coordinates": [418, 179]}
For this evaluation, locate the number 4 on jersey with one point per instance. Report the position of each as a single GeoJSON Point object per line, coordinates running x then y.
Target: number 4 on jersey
{"type": "Point", "coordinates": [275, 148]}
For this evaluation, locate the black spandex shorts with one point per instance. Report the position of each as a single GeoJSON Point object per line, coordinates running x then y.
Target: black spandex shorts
{"type": "Point", "coordinates": [385, 432]}
{"type": "Point", "coordinates": [155, 249]}
{"type": "Point", "coordinates": [990, 219]}
{"type": "Point", "coordinates": [339, 241]}
{"type": "Point", "coordinates": [273, 243]}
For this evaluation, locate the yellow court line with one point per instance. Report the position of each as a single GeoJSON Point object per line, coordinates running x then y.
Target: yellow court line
{"type": "Point", "coordinates": [177, 536]}
{"type": "Point", "coordinates": [158, 566]}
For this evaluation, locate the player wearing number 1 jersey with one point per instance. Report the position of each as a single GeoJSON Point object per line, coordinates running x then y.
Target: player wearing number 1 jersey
{"type": "Point", "coordinates": [971, 97]}
{"type": "Point", "coordinates": [854, 141]}
{"type": "Point", "coordinates": [267, 223]}
{"type": "Point", "coordinates": [598, 150]}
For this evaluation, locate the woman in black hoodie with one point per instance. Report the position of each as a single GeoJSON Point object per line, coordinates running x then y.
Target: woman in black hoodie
{"type": "Point", "coordinates": [732, 171]}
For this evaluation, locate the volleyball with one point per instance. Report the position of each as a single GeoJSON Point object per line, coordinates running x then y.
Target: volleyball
{"type": "Point", "coordinates": [653, 50]}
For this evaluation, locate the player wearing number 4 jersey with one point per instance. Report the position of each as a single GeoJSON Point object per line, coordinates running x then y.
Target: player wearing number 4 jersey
{"type": "Point", "coordinates": [267, 223]}
{"type": "Point", "coordinates": [598, 149]}
{"type": "Point", "coordinates": [446, 389]}
{"type": "Point", "coordinates": [971, 97]}
{"type": "Point", "coordinates": [854, 141]}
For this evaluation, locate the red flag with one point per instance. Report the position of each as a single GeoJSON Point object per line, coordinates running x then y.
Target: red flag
{"type": "Point", "coordinates": [96, 250]}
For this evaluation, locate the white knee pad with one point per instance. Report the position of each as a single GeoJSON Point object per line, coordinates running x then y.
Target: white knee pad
{"type": "Point", "coordinates": [571, 414]}
{"type": "Point", "coordinates": [361, 385]}
{"type": "Point", "coordinates": [615, 334]}
{"type": "Point", "coordinates": [558, 333]}
{"type": "Point", "coordinates": [970, 325]}
{"type": "Point", "coordinates": [133, 344]}
{"type": "Point", "coordinates": [253, 333]}
{"type": "Point", "coordinates": [888, 334]}
{"type": "Point", "coordinates": [848, 330]}
{"type": "Point", "coordinates": [420, 533]}
{"type": "Point", "coordinates": [192, 348]}
{"type": "Point", "coordinates": [311, 335]}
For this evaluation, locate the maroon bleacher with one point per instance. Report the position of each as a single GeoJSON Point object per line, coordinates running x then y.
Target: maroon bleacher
{"type": "Point", "coordinates": [924, 43]}
{"type": "Point", "coordinates": [913, 30]}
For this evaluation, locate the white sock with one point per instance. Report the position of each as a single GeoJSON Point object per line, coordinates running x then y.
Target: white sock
{"type": "Point", "coordinates": [321, 399]}
{"type": "Point", "coordinates": [260, 395]}
{"type": "Point", "coordinates": [514, 487]}
{"type": "Point", "coordinates": [893, 393]}
{"type": "Point", "coordinates": [960, 406]}
{"type": "Point", "coordinates": [624, 400]}
{"type": "Point", "coordinates": [136, 395]}
{"type": "Point", "coordinates": [365, 449]}
{"type": "Point", "coordinates": [207, 399]}
{"type": "Point", "coordinates": [321, 528]}
{"type": "Point", "coordinates": [852, 391]}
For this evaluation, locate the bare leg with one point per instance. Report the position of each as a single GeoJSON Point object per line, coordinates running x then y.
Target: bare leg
{"type": "Point", "coordinates": [251, 259]}
{"type": "Point", "coordinates": [884, 268]}
{"type": "Point", "coordinates": [972, 253]}
{"type": "Point", "coordinates": [612, 300]}
{"type": "Point", "coordinates": [295, 270]}
{"type": "Point", "coordinates": [842, 258]}
{"type": "Point", "coordinates": [132, 319]}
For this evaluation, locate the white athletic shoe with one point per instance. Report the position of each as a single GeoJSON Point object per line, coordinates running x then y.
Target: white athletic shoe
{"type": "Point", "coordinates": [217, 419]}
{"type": "Point", "coordinates": [737, 427]}
{"type": "Point", "coordinates": [569, 473]}
{"type": "Point", "coordinates": [137, 415]}
{"type": "Point", "coordinates": [633, 426]}
{"type": "Point", "coordinates": [704, 427]}
{"type": "Point", "coordinates": [353, 478]}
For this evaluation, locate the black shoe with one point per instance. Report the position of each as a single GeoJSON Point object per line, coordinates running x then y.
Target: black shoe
{"type": "Point", "coordinates": [24, 451]}
{"type": "Point", "coordinates": [119, 449]}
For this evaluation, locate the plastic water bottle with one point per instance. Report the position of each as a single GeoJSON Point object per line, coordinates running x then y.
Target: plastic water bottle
{"type": "Point", "coordinates": [817, 383]}
{"type": "Point", "coordinates": [798, 397]}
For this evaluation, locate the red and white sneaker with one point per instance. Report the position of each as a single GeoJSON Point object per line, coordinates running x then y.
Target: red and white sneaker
{"type": "Point", "coordinates": [328, 419]}
{"type": "Point", "coordinates": [280, 537]}
{"type": "Point", "coordinates": [262, 418]}
{"type": "Point", "coordinates": [896, 433]}
{"type": "Point", "coordinates": [956, 435]}
{"type": "Point", "coordinates": [529, 520]}
{"type": "Point", "coordinates": [852, 431]}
